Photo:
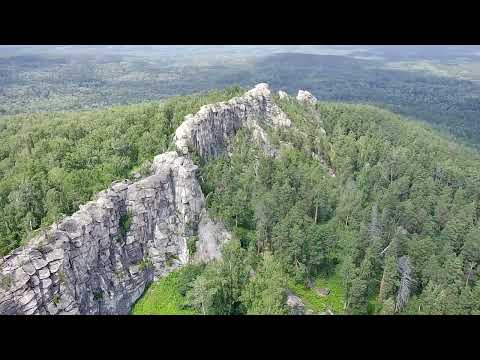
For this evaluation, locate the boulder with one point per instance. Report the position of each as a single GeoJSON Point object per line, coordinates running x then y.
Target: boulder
{"type": "Point", "coordinates": [306, 97]}
{"type": "Point", "coordinates": [296, 305]}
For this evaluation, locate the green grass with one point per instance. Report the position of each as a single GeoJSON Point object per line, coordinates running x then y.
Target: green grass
{"type": "Point", "coordinates": [162, 298]}
{"type": "Point", "coordinates": [373, 306]}
{"type": "Point", "coordinates": [333, 301]}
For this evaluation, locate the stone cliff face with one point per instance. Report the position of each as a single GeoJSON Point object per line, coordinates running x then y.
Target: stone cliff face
{"type": "Point", "coordinates": [100, 259]}
{"type": "Point", "coordinates": [87, 264]}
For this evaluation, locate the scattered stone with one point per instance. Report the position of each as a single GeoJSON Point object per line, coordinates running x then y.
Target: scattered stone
{"type": "Point", "coordinates": [322, 291]}
{"type": "Point", "coordinates": [295, 304]}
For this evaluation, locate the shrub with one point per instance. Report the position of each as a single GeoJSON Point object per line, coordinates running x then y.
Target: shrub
{"type": "Point", "coordinates": [125, 222]}
{"type": "Point", "coordinates": [192, 244]}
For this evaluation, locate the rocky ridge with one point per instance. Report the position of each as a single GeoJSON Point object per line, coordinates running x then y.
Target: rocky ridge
{"type": "Point", "coordinates": [100, 259]}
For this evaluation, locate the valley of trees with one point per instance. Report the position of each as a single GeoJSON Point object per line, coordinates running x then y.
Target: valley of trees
{"type": "Point", "coordinates": [399, 220]}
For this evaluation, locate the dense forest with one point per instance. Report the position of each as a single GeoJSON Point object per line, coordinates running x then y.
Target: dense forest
{"type": "Point", "coordinates": [398, 222]}
{"type": "Point", "coordinates": [32, 83]}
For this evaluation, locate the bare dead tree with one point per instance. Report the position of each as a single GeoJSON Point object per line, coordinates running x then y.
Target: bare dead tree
{"type": "Point", "coordinates": [405, 269]}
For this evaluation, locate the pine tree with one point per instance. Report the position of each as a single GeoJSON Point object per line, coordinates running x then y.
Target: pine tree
{"type": "Point", "coordinates": [265, 292]}
{"type": "Point", "coordinates": [390, 278]}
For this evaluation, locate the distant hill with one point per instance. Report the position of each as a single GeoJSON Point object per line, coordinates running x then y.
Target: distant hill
{"type": "Point", "coordinates": [92, 77]}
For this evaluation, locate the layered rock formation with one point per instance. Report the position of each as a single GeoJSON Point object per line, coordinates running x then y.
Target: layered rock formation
{"type": "Point", "coordinates": [100, 259]}
{"type": "Point", "coordinates": [209, 130]}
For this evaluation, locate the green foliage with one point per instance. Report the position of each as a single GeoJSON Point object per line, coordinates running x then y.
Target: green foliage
{"type": "Point", "coordinates": [192, 244]}
{"type": "Point", "coordinates": [145, 264]}
{"type": "Point", "coordinates": [187, 276]}
{"type": "Point", "coordinates": [265, 293]}
{"type": "Point", "coordinates": [218, 290]}
{"type": "Point", "coordinates": [162, 298]}
{"type": "Point", "coordinates": [126, 222]}
{"type": "Point", "coordinates": [396, 193]}
{"type": "Point", "coordinates": [6, 282]}
{"type": "Point", "coordinates": [333, 301]}
{"type": "Point", "coordinates": [97, 295]}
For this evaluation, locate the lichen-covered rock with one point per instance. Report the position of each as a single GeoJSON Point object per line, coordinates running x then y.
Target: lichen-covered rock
{"type": "Point", "coordinates": [210, 129]}
{"type": "Point", "coordinates": [306, 97]}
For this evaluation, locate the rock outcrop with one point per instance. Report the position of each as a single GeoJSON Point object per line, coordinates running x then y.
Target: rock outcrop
{"type": "Point", "coordinates": [283, 95]}
{"type": "Point", "coordinates": [306, 97]}
{"type": "Point", "coordinates": [100, 259]}
{"type": "Point", "coordinates": [209, 130]}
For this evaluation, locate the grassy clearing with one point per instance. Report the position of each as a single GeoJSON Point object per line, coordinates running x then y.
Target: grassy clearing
{"type": "Point", "coordinates": [162, 298]}
{"type": "Point", "coordinates": [333, 301]}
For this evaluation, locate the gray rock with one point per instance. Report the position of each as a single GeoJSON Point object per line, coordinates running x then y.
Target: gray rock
{"type": "Point", "coordinates": [27, 296]}
{"type": "Point", "coordinates": [306, 97]}
{"type": "Point", "coordinates": [43, 273]}
{"type": "Point", "coordinates": [35, 280]}
{"type": "Point", "coordinates": [45, 283]}
{"type": "Point", "coordinates": [296, 305]}
{"type": "Point", "coordinates": [210, 129]}
{"type": "Point", "coordinates": [54, 266]}
{"type": "Point", "coordinates": [322, 291]}
{"type": "Point", "coordinates": [29, 268]}
{"type": "Point", "coordinates": [39, 263]}
{"type": "Point", "coordinates": [56, 254]}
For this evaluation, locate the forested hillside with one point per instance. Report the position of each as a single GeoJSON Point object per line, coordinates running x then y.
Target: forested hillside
{"type": "Point", "coordinates": [40, 82]}
{"type": "Point", "coordinates": [50, 163]}
{"type": "Point", "coordinates": [398, 224]}
{"type": "Point", "coordinates": [383, 208]}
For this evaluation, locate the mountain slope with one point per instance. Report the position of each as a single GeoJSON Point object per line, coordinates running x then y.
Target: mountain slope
{"type": "Point", "coordinates": [404, 205]}
{"type": "Point", "coordinates": [385, 204]}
